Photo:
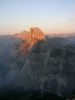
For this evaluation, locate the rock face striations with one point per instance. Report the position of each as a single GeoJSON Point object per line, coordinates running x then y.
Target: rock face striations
{"type": "Point", "coordinates": [49, 68]}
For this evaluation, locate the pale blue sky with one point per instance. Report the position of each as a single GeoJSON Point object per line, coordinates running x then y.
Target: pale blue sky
{"type": "Point", "coordinates": [52, 16]}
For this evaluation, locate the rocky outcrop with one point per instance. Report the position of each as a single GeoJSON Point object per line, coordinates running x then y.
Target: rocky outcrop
{"type": "Point", "coordinates": [29, 38]}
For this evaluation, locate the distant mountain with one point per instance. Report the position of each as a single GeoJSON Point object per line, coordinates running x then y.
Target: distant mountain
{"type": "Point", "coordinates": [61, 39]}
{"type": "Point", "coordinates": [63, 35]}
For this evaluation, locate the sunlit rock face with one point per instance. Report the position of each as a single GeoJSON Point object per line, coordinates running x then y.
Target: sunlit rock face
{"type": "Point", "coordinates": [34, 33]}
{"type": "Point", "coordinates": [29, 38]}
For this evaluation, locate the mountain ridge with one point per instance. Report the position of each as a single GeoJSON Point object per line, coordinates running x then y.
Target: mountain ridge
{"type": "Point", "coordinates": [36, 63]}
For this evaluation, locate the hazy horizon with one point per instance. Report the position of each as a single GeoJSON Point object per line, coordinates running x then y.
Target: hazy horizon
{"type": "Point", "coordinates": [51, 16]}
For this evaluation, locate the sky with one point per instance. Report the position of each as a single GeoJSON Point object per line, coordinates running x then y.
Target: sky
{"type": "Point", "coordinates": [52, 16]}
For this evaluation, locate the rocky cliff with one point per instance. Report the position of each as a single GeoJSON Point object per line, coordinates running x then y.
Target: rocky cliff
{"type": "Point", "coordinates": [32, 63]}
{"type": "Point", "coordinates": [29, 38]}
{"type": "Point", "coordinates": [49, 68]}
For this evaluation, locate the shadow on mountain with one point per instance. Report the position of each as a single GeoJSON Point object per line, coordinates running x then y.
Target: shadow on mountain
{"type": "Point", "coordinates": [45, 72]}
